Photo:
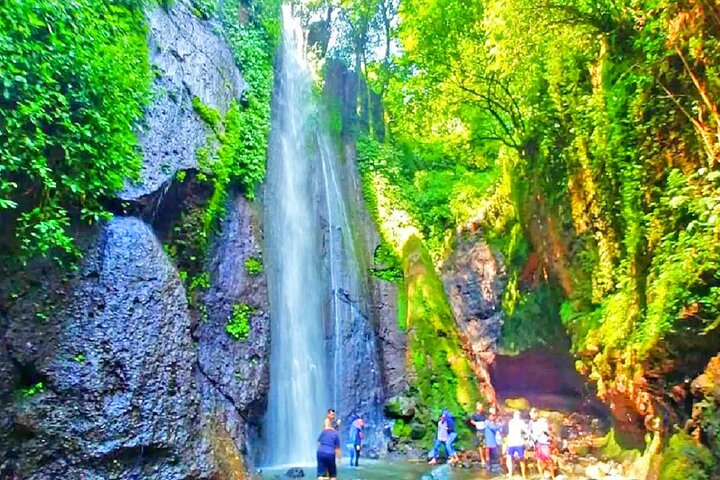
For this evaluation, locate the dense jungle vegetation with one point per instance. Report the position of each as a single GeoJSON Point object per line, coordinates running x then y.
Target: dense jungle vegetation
{"type": "Point", "coordinates": [75, 81]}
{"type": "Point", "coordinates": [582, 139]}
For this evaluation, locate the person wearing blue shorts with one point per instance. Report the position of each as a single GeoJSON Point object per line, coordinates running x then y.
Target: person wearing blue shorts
{"type": "Point", "coordinates": [516, 443]}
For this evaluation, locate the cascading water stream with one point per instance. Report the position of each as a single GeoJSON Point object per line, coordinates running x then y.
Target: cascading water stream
{"type": "Point", "coordinates": [323, 349]}
{"type": "Point", "coordinates": [299, 384]}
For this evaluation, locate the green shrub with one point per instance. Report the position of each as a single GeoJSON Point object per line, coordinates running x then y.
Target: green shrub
{"type": "Point", "coordinates": [208, 114]}
{"type": "Point", "coordinates": [32, 390]}
{"type": "Point", "coordinates": [238, 326]}
{"type": "Point", "coordinates": [74, 78]}
{"type": "Point", "coordinates": [204, 9]}
{"type": "Point", "coordinates": [387, 265]}
{"type": "Point", "coordinates": [254, 266]}
{"type": "Point", "coordinates": [684, 459]}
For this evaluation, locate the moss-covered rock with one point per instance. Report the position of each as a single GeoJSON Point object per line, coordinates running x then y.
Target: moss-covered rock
{"type": "Point", "coordinates": [400, 407]}
{"type": "Point", "coordinates": [440, 373]}
{"type": "Point", "coordinates": [685, 459]}
{"type": "Point", "coordinates": [519, 403]}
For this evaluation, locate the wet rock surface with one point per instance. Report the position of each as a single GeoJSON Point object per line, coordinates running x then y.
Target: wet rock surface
{"type": "Point", "coordinates": [116, 366]}
{"type": "Point", "coordinates": [234, 374]}
{"type": "Point", "coordinates": [400, 407]}
{"type": "Point", "coordinates": [391, 341]}
{"type": "Point", "coordinates": [474, 279]}
{"type": "Point", "coordinates": [191, 61]}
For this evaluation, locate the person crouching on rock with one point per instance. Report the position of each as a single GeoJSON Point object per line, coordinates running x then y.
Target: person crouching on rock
{"type": "Point", "coordinates": [355, 438]}
{"type": "Point", "coordinates": [446, 435]}
{"type": "Point", "coordinates": [328, 448]}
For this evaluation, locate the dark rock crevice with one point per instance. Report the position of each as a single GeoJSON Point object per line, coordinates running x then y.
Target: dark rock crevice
{"type": "Point", "coordinates": [221, 389]}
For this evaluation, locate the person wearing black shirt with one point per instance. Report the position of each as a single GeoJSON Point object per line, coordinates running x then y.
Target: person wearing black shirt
{"type": "Point", "coordinates": [478, 421]}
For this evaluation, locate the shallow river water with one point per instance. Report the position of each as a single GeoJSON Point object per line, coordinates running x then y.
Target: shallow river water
{"type": "Point", "coordinates": [379, 470]}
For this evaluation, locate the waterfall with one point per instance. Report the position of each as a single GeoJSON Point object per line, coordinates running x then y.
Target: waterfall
{"type": "Point", "coordinates": [323, 349]}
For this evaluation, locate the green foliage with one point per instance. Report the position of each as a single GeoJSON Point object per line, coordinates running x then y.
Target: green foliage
{"type": "Point", "coordinates": [401, 429]}
{"type": "Point", "coordinates": [584, 148]}
{"type": "Point", "coordinates": [32, 390]}
{"type": "Point", "coordinates": [79, 358]}
{"type": "Point", "coordinates": [238, 325]}
{"type": "Point", "coordinates": [187, 245]}
{"type": "Point", "coordinates": [532, 321]}
{"type": "Point", "coordinates": [684, 459]}
{"type": "Point", "coordinates": [440, 190]}
{"type": "Point", "coordinates": [244, 131]}
{"type": "Point", "coordinates": [204, 9]}
{"type": "Point", "coordinates": [710, 423]}
{"type": "Point", "coordinates": [74, 77]}
{"type": "Point", "coordinates": [166, 4]}
{"type": "Point", "coordinates": [254, 266]}
{"type": "Point", "coordinates": [208, 114]}
{"type": "Point", "coordinates": [387, 265]}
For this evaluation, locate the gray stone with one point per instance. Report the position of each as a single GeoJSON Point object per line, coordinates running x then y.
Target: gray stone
{"type": "Point", "coordinates": [400, 407]}
{"type": "Point", "coordinates": [192, 61]}
{"type": "Point", "coordinates": [418, 431]}
{"type": "Point", "coordinates": [474, 279]}
{"type": "Point", "coordinates": [295, 472]}
{"type": "Point", "coordinates": [234, 374]}
{"type": "Point", "coordinates": [116, 362]}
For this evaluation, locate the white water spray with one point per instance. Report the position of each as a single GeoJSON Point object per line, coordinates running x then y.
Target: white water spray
{"type": "Point", "coordinates": [299, 386]}
{"type": "Point", "coordinates": [323, 351]}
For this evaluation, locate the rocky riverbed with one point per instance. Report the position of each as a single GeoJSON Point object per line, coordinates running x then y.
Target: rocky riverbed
{"type": "Point", "coordinates": [586, 449]}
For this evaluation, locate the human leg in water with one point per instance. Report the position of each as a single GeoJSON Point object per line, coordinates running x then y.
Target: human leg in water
{"type": "Point", "coordinates": [352, 454]}
{"type": "Point", "coordinates": [356, 452]}
{"type": "Point", "coordinates": [513, 454]}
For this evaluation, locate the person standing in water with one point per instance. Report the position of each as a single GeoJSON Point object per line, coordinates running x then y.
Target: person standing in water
{"type": "Point", "coordinates": [478, 420]}
{"type": "Point", "coordinates": [330, 420]}
{"type": "Point", "coordinates": [516, 443]}
{"type": "Point", "coordinates": [540, 436]}
{"type": "Point", "coordinates": [492, 432]}
{"type": "Point", "coordinates": [328, 448]}
{"type": "Point", "coordinates": [355, 438]}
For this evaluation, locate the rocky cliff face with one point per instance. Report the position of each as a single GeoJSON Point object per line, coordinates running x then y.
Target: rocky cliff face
{"type": "Point", "coordinates": [234, 375]}
{"type": "Point", "coordinates": [115, 365]}
{"type": "Point", "coordinates": [191, 60]}
{"type": "Point", "coordinates": [474, 279]}
{"type": "Point", "coordinates": [341, 87]}
{"type": "Point", "coordinates": [107, 372]}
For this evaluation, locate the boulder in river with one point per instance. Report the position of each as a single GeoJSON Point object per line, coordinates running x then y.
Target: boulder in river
{"type": "Point", "coordinates": [295, 472]}
{"type": "Point", "coordinates": [400, 407]}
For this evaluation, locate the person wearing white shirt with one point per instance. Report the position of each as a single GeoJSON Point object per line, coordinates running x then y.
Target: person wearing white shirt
{"type": "Point", "coordinates": [516, 443]}
{"type": "Point", "coordinates": [540, 435]}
